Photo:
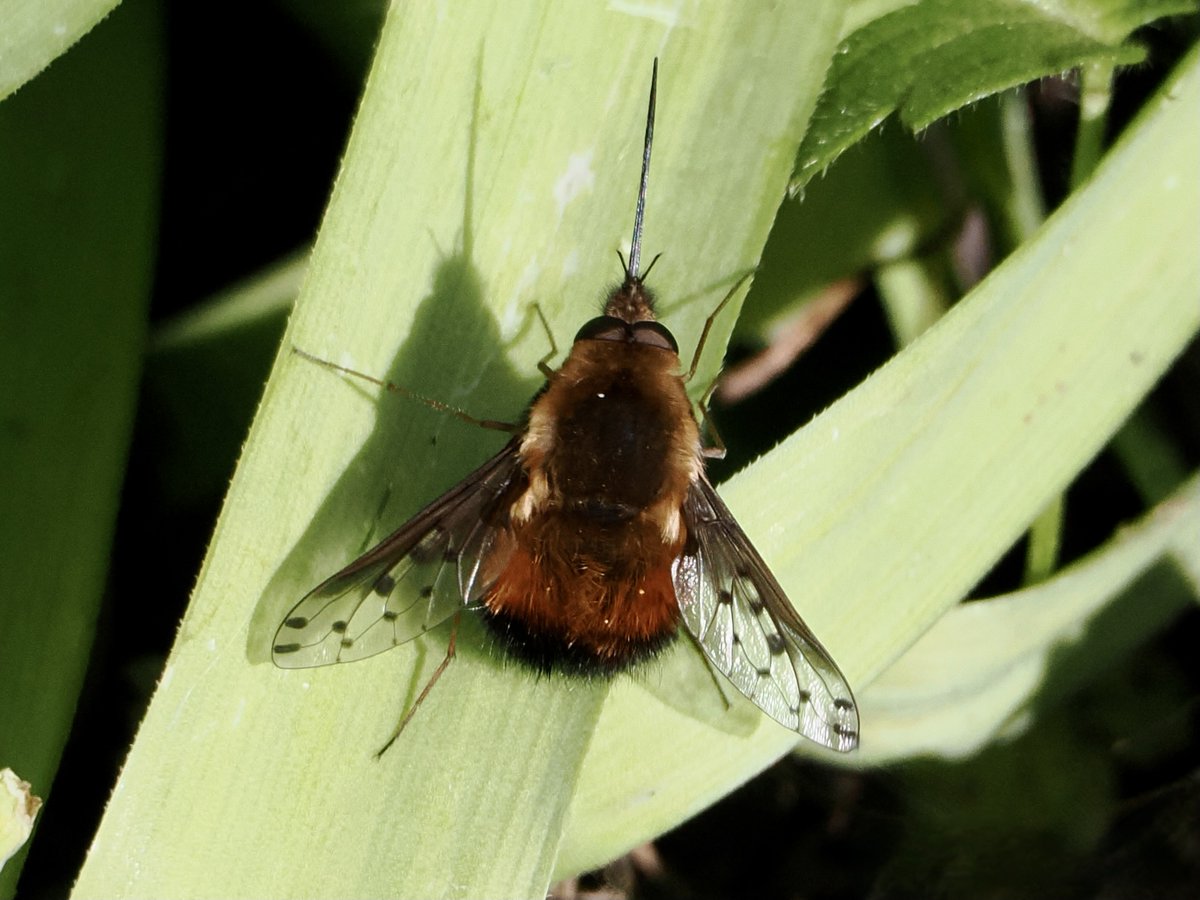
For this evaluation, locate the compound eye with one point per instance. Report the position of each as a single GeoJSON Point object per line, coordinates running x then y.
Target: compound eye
{"type": "Point", "coordinates": [656, 335]}
{"type": "Point", "coordinates": [604, 328]}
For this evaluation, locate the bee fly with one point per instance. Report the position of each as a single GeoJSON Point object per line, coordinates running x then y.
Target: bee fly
{"type": "Point", "coordinates": [589, 538]}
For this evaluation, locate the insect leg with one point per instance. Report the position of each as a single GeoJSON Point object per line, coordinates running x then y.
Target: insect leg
{"type": "Point", "coordinates": [411, 395]}
{"type": "Point", "coordinates": [544, 363]}
{"type": "Point", "coordinates": [717, 451]}
{"type": "Point", "coordinates": [708, 325]}
{"type": "Point", "coordinates": [433, 679]}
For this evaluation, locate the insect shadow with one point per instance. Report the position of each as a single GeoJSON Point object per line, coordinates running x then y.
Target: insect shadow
{"type": "Point", "coordinates": [454, 353]}
{"type": "Point", "coordinates": [413, 452]}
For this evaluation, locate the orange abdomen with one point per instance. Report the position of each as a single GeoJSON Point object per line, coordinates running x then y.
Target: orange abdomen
{"type": "Point", "coordinates": [583, 597]}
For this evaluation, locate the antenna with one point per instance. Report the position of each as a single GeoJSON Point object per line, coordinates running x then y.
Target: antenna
{"type": "Point", "coordinates": [635, 246]}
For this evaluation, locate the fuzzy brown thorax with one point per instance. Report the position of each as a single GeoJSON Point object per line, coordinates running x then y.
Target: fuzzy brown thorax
{"type": "Point", "coordinates": [610, 452]}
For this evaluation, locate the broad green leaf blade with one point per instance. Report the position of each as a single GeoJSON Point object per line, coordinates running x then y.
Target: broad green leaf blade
{"type": "Point", "coordinates": [979, 666]}
{"type": "Point", "coordinates": [78, 205]}
{"type": "Point", "coordinates": [493, 165]}
{"type": "Point", "coordinates": [884, 511]}
{"type": "Point", "coordinates": [930, 58]}
{"type": "Point", "coordinates": [36, 32]}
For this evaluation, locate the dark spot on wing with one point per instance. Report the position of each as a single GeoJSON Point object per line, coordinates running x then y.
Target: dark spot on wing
{"type": "Point", "coordinates": [296, 622]}
{"type": "Point", "coordinates": [842, 704]}
{"type": "Point", "coordinates": [775, 644]}
{"type": "Point", "coordinates": [347, 642]}
{"type": "Point", "coordinates": [427, 591]}
{"type": "Point", "coordinates": [724, 597]}
{"type": "Point", "coordinates": [384, 584]}
{"type": "Point", "coordinates": [286, 648]}
{"type": "Point", "coordinates": [390, 615]}
{"type": "Point", "coordinates": [338, 627]}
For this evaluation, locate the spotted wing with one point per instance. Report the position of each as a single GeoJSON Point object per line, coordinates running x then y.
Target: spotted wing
{"type": "Point", "coordinates": [744, 623]}
{"type": "Point", "coordinates": [443, 559]}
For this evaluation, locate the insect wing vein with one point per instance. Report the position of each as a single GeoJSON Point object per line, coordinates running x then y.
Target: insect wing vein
{"type": "Point", "coordinates": [410, 582]}
{"type": "Point", "coordinates": [744, 623]}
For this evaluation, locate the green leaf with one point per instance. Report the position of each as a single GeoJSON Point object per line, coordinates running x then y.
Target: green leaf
{"type": "Point", "coordinates": [993, 657]}
{"type": "Point", "coordinates": [36, 32]}
{"type": "Point", "coordinates": [885, 510]}
{"type": "Point", "coordinates": [493, 165]}
{"type": "Point", "coordinates": [78, 206]}
{"type": "Point", "coordinates": [930, 58]}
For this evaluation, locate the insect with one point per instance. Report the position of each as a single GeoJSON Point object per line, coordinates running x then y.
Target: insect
{"type": "Point", "coordinates": [589, 538]}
